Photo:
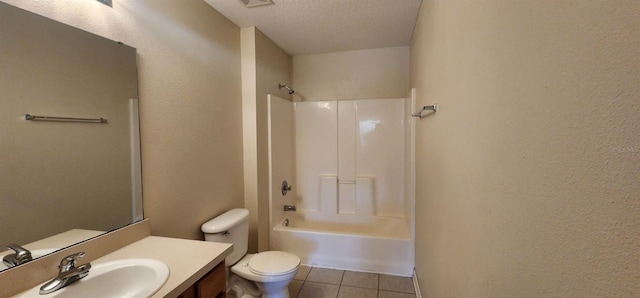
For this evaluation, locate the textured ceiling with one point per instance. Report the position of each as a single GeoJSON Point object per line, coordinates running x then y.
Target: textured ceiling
{"type": "Point", "coordinates": [322, 26]}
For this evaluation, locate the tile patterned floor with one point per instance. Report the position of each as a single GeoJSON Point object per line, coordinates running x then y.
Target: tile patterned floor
{"type": "Point", "coordinates": [313, 282]}
{"type": "Point", "coordinates": [330, 283]}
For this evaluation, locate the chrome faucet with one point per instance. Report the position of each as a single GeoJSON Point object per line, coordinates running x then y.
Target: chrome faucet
{"type": "Point", "coordinates": [289, 207]}
{"type": "Point", "coordinates": [68, 273]}
{"type": "Point", "coordinates": [21, 256]}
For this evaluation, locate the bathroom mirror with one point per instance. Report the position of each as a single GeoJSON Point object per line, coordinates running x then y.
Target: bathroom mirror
{"type": "Point", "coordinates": [75, 178]}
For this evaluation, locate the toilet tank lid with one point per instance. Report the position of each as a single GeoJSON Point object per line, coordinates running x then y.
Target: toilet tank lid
{"type": "Point", "coordinates": [225, 221]}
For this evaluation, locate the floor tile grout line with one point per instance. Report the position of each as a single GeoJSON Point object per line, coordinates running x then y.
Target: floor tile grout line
{"type": "Point", "coordinates": [378, 286]}
{"type": "Point", "coordinates": [300, 290]}
{"type": "Point", "coordinates": [359, 287]}
{"type": "Point", "coordinates": [328, 283]}
{"type": "Point", "coordinates": [340, 285]}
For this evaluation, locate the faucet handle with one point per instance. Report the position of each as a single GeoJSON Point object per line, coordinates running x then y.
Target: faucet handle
{"type": "Point", "coordinates": [21, 252]}
{"type": "Point", "coordinates": [286, 187]}
{"type": "Point", "coordinates": [69, 262]}
{"type": "Point", "coordinates": [21, 255]}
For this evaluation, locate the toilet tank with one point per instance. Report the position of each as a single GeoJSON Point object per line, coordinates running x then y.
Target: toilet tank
{"type": "Point", "coordinates": [230, 227]}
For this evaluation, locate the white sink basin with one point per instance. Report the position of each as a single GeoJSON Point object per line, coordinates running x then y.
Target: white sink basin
{"type": "Point", "coordinates": [134, 278]}
{"type": "Point", "coordinates": [36, 253]}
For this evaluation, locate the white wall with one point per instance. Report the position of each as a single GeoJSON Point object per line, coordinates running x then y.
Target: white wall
{"type": "Point", "coordinates": [358, 145]}
{"type": "Point", "coordinates": [380, 154]}
{"type": "Point", "coordinates": [316, 142]}
{"type": "Point", "coordinates": [528, 173]}
{"type": "Point", "coordinates": [190, 108]}
{"type": "Point", "coordinates": [372, 73]}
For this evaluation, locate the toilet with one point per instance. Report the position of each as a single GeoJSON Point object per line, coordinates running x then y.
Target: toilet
{"type": "Point", "coordinates": [265, 274]}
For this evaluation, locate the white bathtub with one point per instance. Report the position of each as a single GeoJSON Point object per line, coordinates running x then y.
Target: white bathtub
{"type": "Point", "coordinates": [379, 245]}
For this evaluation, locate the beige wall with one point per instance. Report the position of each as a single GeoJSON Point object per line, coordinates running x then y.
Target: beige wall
{"type": "Point", "coordinates": [264, 66]}
{"type": "Point", "coordinates": [249, 131]}
{"type": "Point", "coordinates": [527, 177]}
{"type": "Point", "coordinates": [372, 73]}
{"type": "Point", "coordinates": [190, 102]}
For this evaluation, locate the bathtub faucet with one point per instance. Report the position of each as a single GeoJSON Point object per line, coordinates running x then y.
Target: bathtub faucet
{"type": "Point", "coordinates": [289, 208]}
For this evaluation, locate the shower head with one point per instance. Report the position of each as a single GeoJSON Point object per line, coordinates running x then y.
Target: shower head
{"type": "Point", "coordinates": [280, 86]}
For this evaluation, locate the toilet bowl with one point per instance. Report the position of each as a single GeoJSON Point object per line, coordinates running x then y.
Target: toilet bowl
{"type": "Point", "coordinates": [265, 274]}
{"type": "Point", "coordinates": [272, 271]}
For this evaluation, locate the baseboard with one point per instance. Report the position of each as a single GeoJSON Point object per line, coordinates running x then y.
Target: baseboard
{"type": "Point", "coordinates": [416, 286]}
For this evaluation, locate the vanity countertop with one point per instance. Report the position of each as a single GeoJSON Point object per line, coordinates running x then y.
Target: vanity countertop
{"type": "Point", "coordinates": [55, 242]}
{"type": "Point", "coordinates": [60, 240]}
{"type": "Point", "coordinates": [188, 260]}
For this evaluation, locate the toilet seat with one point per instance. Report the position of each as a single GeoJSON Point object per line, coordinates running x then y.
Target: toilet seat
{"type": "Point", "coordinates": [273, 263]}
{"type": "Point", "coordinates": [242, 269]}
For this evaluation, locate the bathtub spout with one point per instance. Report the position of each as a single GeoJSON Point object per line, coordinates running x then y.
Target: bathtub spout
{"type": "Point", "coordinates": [289, 208]}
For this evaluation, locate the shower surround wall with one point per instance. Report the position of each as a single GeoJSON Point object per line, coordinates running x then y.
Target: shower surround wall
{"type": "Point", "coordinates": [351, 148]}
{"type": "Point", "coordinates": [350, 183]}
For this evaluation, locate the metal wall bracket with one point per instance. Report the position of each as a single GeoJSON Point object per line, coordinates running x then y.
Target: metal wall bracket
{"type": "Point", "coordinates": [433, 107]}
